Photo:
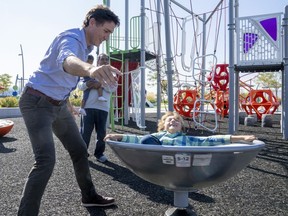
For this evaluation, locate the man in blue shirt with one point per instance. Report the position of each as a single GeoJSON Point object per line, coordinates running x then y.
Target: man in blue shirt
{"type": "Point", "coordinates": [46, 109]}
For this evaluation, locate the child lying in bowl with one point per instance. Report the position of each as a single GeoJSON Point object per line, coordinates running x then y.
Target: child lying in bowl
{"type": "Point", "coordinates": [170, 132]}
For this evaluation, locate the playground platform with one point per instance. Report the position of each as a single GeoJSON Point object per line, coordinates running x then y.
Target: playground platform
{"type": "Point", "coordinates": [259, 189]}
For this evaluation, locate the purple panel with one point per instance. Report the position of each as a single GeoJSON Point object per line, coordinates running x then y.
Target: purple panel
{"type": "Point", "coordinates": [249, 39]}
{"type": "Point", "coordinates": [270, 26]}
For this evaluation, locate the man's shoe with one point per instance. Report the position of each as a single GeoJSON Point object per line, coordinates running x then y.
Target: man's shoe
{"type": "Point", "coordinates": [102, 159]}
{"type": "Point", "coordinates": [98, 200]}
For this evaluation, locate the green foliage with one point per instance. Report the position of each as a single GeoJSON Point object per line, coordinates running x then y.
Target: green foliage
{"type": "Point", "coordinates": [75, 101]}
{"type": "Point", "coordinates": [270, 79]}
{"type": "Point", "coordinates": [76, 97]}
{"type": "Point", "coordinates": [151, 97]}
{"type": "Point", "coordinates": [5, 82]}
{"type": "Point", "coordinates": [9, 102]}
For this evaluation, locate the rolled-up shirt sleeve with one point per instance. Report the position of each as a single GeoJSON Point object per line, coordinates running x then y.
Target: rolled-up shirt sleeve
{"type": "Point", "coordinates": [68, 46]}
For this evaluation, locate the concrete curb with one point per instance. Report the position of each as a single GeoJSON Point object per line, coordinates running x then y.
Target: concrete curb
{"type": "Point", "coordinates": [10, 112]}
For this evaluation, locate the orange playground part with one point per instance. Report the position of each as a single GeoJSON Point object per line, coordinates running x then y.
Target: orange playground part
{"type": "Point", "coordinates": [184, 102]}
{"type": "Point", "coordinates": [222, 102]}
{"type": "Point", "coordinates": [261, 102]}
{"type": "Point", "coordinates": [5, 126]}
{"type": "Point", "coordinates": [221, 77]}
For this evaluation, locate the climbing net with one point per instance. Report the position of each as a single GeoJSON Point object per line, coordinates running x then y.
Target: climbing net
{"type": "Point", "coordinates": [136, 95]}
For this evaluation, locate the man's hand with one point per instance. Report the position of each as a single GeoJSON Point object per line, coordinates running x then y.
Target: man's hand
{"type": "Point", "coordinates": [106, 75]}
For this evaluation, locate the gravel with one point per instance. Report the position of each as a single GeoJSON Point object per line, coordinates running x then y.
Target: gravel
{"type": "Point", "coordinates": [259, 189]}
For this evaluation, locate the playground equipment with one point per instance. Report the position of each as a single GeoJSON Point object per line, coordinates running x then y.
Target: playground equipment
{"type": "Point", "coordinates": [219, 81]}
{"type": "Point", "coordinates": [258, 48]}
{"type": "Point", "coordinates": [184, 101]}
{"type": "Point", "coordinates": [5, 126]}
{"type": "Point", "coordinates": [185, 168]}
{"type": "Point", "coordinates": [129, 83]}
{"type": "Point", "coordinates": [199, 115]}
{"type": "Point", "coordinates": [260, 102]}
{"type": "Point", "coordinates": [222, 102]}
{"type": "Point", "coordinates": [220, 78]}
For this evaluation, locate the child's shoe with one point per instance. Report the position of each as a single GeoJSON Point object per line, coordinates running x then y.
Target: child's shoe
{"type": "Point", "coordinates": [101, 98]}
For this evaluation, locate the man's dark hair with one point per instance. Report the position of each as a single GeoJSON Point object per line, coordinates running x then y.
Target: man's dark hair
{"type": "Point", "coordinates": [101, 14]}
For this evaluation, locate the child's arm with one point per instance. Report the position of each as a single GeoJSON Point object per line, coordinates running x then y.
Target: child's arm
{"type": "Point", "coordinates": [115, 137]}
{"type": "Point", "coordinates": [237, 138]}
{"type": "Point", "coordinates": [128, 138]}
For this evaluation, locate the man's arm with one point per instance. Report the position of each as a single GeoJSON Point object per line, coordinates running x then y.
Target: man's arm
{"type": "Point", "coordinates": [104, 74]}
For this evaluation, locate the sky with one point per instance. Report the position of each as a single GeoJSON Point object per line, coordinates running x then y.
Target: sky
{"type": "Point", "coordinates": [34, 24]}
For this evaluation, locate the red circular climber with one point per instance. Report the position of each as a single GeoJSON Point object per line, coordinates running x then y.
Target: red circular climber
{"type": "Point", "coordinates": [222, 102]}
{"type": "Point", "coordinates": [221, 77]}
{"type": "Point", "coordinates": [184, 102]}
{"type": "Point", "coordinates": [260, 102]}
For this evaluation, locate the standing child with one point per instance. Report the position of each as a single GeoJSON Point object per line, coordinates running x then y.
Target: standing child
{"type": "Point", "coordinates": [99, 88]}
{"type": "Point", "coordinates": [96, 113]}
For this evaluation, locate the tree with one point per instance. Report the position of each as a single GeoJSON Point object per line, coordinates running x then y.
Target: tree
{"type": "Point", "coordinates": [5, 82]}
{"type": "Point", "coordinates": [270, 80]}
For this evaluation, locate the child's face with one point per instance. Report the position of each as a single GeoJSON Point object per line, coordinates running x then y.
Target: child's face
{"type": "Point", "coordinates": [172, 125]}
{"type": "Point", "coordinates": [104, 60]}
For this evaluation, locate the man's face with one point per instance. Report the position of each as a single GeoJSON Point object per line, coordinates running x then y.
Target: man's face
{"type": "Point", "coordinates": [99, 32]}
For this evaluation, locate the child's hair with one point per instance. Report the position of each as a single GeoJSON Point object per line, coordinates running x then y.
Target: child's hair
{"type": "Point", "coordinates": [161, 122]}
{"type": "Point", "coordinates": [90, 58]}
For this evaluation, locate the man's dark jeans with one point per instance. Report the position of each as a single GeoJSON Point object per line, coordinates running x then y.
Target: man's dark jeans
{"type": "Point", "coordinates": [42, 119]}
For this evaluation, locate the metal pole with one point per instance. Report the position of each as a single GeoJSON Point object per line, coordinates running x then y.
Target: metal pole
{"type": "Point", "coordinates": [23, 74]}
{"type": "Point", "coordinates": [126, 80]}
{"type": "Point", "coordinates": [158, 62]}
{"type": "Point", "coordinates": [203, 69]}
{"type": "Point", "coordinates": [237, 87]}
{"type": "Point", "coordinates": [285, 78]}
{"type": "Point", "coordinates": [142, 64]}
{"type": "Point", "coordinates": [169, 58]}
{"type": "Point", "coordinates": [231, 29]}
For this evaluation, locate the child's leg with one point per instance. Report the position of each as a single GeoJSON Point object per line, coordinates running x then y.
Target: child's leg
{"type": "Point", "coordinates": [100, 92]}
{"type": "Point", "coordinates": [150, 139]}
{"type": "Point", "coordinates": [100, 95]}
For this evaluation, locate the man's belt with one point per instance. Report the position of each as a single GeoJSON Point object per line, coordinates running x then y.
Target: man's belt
{"type": "Point", "coordinates": [35, 92]}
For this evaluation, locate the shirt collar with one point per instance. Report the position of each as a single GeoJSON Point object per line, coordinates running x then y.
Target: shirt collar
{"type": "Point", "coordinates": [173, 135]}
{"type": "Point", "coordinates": [83, 38]}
